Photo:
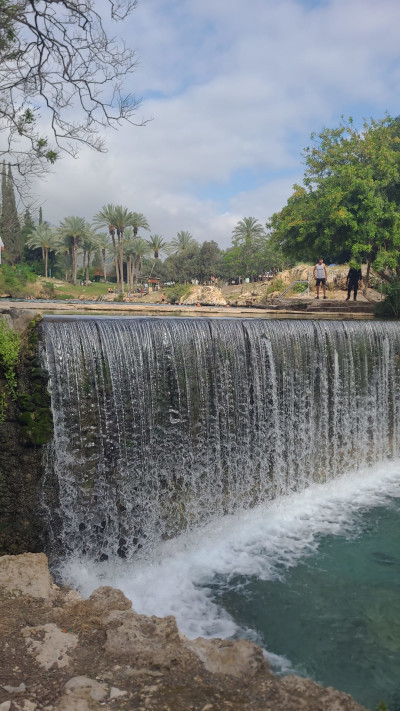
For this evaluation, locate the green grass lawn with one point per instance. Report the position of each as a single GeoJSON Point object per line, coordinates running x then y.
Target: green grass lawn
{"type": "Point", "coordinates": [91, 292]}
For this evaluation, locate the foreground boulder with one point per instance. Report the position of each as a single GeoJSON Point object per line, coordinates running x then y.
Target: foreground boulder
{"type": "Point", "coordinates": [59, 652]}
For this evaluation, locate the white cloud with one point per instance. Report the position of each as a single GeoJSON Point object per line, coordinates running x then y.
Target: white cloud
{"type": "Point", "coordinates": [235, 90]}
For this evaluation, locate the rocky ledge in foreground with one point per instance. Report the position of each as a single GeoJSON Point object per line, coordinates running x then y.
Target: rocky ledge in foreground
{"type": "Point", "coordinates": [59, 652]}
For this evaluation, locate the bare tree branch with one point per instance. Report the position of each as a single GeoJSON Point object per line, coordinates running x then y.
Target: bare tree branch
{"type": "Point", "coordinates": [61, 80]}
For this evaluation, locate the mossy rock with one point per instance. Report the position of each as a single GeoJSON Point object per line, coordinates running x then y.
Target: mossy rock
{"type": "Point", "coordinates": [25, 402]}
{"type": "Point", "coordinates": [39, 374]}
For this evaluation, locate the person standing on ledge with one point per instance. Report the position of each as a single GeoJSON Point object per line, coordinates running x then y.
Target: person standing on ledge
{"type": "Point", "coordinates": [321, 276]}
{"type": "Point", "coordinates": [352, 280]}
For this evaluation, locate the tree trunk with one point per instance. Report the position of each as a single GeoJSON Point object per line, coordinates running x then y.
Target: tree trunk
{"type": "Point", "coordinates": [115, 258]}
{"type": "Point", "coordinates": [74, 260]}
{"type": "Point", "coordinates": [121, 259]}
{"type": "Point", "coordinates": [103, 254]}
{"type": "Point", "coordinates": [87, 267]}
{"type": "Point", "coordinates": [46, 257]}
{"type": "Point", "coordinates": [136, 272]}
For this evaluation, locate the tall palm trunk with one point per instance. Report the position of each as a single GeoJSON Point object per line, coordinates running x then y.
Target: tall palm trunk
{"type": "Point", "coordinates": [74, 260]}
{"type": "Point", "coordinates": [103, 255]}
{"type": "Point", "coordinates": [88, 266]}
{"type": "Point", "coordinates": [120, 234]}
{"type": "Point", "coordinates": [46, 260]}
{"type": "Point", "coordinates": [115, 252]}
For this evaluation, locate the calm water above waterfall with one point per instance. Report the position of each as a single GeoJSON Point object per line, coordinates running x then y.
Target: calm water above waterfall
{"type": "Point", "coordinates": [166, 427]}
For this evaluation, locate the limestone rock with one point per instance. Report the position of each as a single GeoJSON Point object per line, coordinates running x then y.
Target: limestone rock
{"type": "Point", "coordinates": [153, 641]}
{"type": "Point", "coordinates": [51, 649]}
{"type": "Point", "coordinates": [206, 296]}
{"type": "Point", "coordinates": [84, 687]}
{"type": "Point", "coordinates": [27, 574]}
{"type": "Point", "coordinates": [236, 658]}
{"type": "Point", "coordinates": [108, 598]}
{"type": "Point", "coordinates": [307, 692]}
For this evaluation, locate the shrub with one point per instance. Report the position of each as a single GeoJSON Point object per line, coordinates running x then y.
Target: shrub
{"type": "Point", "coordinates": [15, 279]}
{"type": "Point", "coordinates": [300, 288]}
{"type": "Point", "coordinates": [10, 343]}
{"type": "Point", "coordinates": [390, 307]}
{"type": "Point", "coordinates": [175, 293]}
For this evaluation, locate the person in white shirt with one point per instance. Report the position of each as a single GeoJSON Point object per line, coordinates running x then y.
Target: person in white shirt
{"type": "Point", "coordinates": [321, 275]}
{"type": "Point", "coordinates": [1, 248]}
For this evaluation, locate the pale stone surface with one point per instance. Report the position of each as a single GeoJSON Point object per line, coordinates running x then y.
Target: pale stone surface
{"type": "Point", "coordinates": [51, 651]}
{"type": "Point", "coordinates": [5, 706]}
{"type": "Point", "coordinates": [116, 693]}
{"type": "Point", "coordinates": [108, 598]}
{"type": "Point", "coordinates": [14, 689]}
{"type": "Point", "coordinates": [75, 703]}
{"type": "Point", "coordinates": [131, 636]}
{"type": "Point", "coordinates": [236, 658]}
{"type": "Point", "coordinates": [205, 295]}
{"type": "Point", "coordinates": [85, 687]}
{"type": "Point", "coordinates": [27, 574]}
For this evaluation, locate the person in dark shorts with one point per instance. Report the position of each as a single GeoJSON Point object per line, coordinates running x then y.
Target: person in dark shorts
{"type": "Point", "coordinates": [321, 275]}
{"type": "Point", "coordinates": [352, 280]}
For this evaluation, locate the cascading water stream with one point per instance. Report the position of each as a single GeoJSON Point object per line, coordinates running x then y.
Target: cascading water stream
{"type": "Point", "coordinates": [164, 424]}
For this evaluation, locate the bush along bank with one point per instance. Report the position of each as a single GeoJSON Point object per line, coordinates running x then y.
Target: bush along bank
{"type": "Point", "coordinates": [25, 426]}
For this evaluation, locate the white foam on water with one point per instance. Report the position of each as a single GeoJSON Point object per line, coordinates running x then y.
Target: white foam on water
{"type": "Point", "coordinates": [176, 578]}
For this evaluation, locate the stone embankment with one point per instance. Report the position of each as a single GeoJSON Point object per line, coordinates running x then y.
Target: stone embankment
{"type": "Point", "coordinates": [59, 652]}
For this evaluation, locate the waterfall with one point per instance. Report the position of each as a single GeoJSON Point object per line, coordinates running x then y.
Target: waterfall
{"type": "Point", "coordinates": [162, 424]}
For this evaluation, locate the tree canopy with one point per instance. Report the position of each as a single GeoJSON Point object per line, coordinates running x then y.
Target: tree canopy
{"type": "Point", "coordinates": [348, 205]}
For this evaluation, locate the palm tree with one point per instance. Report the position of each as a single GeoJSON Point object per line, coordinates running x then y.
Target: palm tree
{"type": "Point", "coordinates": [90, 245]}
{"type": "Point", "coordinates": [183, 240]}
{"type": "Point", "coordinates": [129, 249]}
{"type": "Point", "coordinates": [247, 236]}
{"type": "Point", "coordinates": [73, 230]}
{"type": "Point", "coordinates": [122, 219]}
{"type": "Point", "coordinates": [103, 244]}
{"type": "Point", "coordinates": [42, 237]}
{"type": "Point", "coordinates": [140, 249]}
{"type": "Point", "coordinates": [247, 230]}
{"type": "Point", "coordinates": [105, 218]}
{"type": "Point", "coordinates": [156, 244]}
{"type": "Point", "coordinates": [139, 221]}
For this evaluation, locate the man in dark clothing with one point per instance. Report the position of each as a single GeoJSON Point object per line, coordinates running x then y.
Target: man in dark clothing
{"type": "Point", "coordinates": [354, 276]}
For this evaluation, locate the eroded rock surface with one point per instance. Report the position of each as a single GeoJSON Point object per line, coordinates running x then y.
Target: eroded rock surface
{"type": "Point", "coordinates": [61, 653]}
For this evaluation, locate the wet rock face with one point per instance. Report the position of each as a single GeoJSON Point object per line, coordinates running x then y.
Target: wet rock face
{"type": "Point", "coordinates": [27, 425]}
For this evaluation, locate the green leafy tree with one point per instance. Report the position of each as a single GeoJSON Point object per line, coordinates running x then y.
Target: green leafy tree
{"type": "Point", "coordinates": [209, 261]}
{"type": "Point", "coordinates": [349, 203]}
{"type": "Point", "coordinates": [183, 265]}
{"type": "Point", "coordinates": [10, 228]}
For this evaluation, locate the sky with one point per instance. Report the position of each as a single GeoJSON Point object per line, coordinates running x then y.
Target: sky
{"type": "Point", "coordinates": [233, 90]}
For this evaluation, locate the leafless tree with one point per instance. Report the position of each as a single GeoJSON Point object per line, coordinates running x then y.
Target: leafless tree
{"type": "Point", "coordinates": [62, 79]}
